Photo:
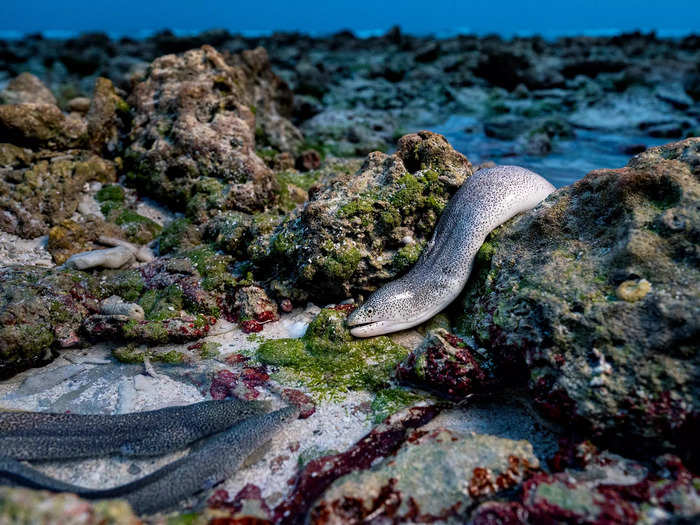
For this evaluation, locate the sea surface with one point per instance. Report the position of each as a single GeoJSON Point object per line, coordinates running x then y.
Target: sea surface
{"type": "Point", "coordinates": [569, 160]}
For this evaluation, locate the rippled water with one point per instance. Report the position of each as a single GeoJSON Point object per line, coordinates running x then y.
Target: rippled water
{"type": "Point", "coordinates": [569, 160]}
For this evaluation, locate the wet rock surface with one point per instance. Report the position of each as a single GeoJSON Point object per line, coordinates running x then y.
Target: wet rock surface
{"type": "Point", "coordinates": [462, 470]}
{"type": "Point", "coordinates": [593, 294]}
{"type": "Point", "coordinates": [359, 230]}
{"type": "Point", "coordinates": [185, 156]}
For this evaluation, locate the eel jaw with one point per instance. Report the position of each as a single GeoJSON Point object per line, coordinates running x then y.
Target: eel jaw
{"type": "Point", "coordinates": [371, 329]}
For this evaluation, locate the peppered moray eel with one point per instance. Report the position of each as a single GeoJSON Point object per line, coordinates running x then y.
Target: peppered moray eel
{"type": "Point", "coordinates": [210, 462]}
{"type": "Point", "coordinates": [36, 435]}
{"type": "Point", "coordinates": [486, 200]}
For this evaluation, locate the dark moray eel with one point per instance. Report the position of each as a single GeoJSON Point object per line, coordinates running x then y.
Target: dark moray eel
{"type": "Point", "coordinates": [37, 435]}
{"type": "Point", "coordinates": [211, 461]}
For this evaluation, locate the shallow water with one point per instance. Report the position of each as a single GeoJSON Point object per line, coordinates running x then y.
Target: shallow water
{"type": "Point", "coordinates": [568, 162]}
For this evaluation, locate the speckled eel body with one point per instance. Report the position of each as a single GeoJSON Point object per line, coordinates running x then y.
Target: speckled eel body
{"type": "Point", "coordinates": [485, 201]}
{"type": "Point", "coordinates": [211, 461]}
{"type": "Point", "coordinates": [37, 435]}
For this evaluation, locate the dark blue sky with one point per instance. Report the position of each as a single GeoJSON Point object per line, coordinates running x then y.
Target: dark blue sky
{"type": "Point", "coordinates": [549, 17]}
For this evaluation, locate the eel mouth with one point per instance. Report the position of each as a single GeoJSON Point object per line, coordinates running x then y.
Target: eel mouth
{"type": "Point", "coordinates": [369, 329]}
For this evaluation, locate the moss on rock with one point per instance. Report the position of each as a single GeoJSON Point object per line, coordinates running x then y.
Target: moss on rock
{"type": "Point", "coordinates": [329, 361]}
{"type": "Point", "coordinates": [601, 316]}
{"type": "Point", "coordinates": [349, 238]}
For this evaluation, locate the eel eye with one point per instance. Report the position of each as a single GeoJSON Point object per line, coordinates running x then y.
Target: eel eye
{"type": "Point", "coordinates": [370, 310]}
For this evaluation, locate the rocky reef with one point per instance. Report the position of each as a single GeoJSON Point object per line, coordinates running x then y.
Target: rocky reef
{"type": "Point", "coordinates": [173, 210]}
{"type": "Point", "coordinates": [595, 294]}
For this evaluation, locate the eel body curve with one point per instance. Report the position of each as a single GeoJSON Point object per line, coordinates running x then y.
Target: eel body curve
{"type": "Point", "coordinates": [37, 435]}
{"type": "Point", "coordinates": [215, 459]}
{"type": "Point", "coordinates": [486, 200]}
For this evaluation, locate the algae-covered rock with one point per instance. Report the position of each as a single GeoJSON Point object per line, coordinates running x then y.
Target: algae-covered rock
{"type": "Point", "coordinates": [70, 237]}
{"type": "Point", "coordinates": [194, 130]}
{"type": "Point", "coordinates": [42, 190]}
{"type": "Point", "coordinates": [328, 360]}
{"type": "Point", "coordinates": [21, 506]}
{"type": "Point", "coordinates": [596, 292]}
{"type": "Point", "coordinates": [165, 301]}
{"type": "Point", "coordinates": [272, 101]}
{"type": "Point", "coordinates": [603, 488]}
{"type": "Point", "coordinates": [445, 364]}
{"type": "Point", "coordinates": [40, 311]}
{"type": "Point", "coordinates": [358, 231]}
{"type": "Point", "coordinates": [41, 125]}
{"type": "Point", "coordinates": [106, 118]}
{"type": "Point", "coordinates": [253, 303]}
{"type": "Point", "coordinates": [434, 476]}
{"type": "Point", "coordinates": [118, 210]}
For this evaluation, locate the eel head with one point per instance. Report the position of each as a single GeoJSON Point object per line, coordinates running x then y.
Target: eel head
{"type": "Point", "coordinates": [395, 306]}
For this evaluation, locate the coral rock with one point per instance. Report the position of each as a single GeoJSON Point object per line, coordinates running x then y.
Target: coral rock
{"type": "Point", "coordinates": [26, 88]}
{"type": "Point", "coordinates": [595, 293]}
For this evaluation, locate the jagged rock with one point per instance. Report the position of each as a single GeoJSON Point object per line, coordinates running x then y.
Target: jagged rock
{"type": "Point", "coordinates": [41, 125]}
{"type": "Point", "coordinates": [106, 118]}
{"type": "Point", "coordinates": [445, 364]}
{"type": "Point", "coordinates": [166, 300]}
{"type": "Point", "coordinates": [602, 488]}
{"type": "Point", "coordinates": [26, 88]}
{"type": "Point", "coordinates": [194, 131]}
{"type": "Point", "coordinates": [595, 293]}
{"type": "Point", "coordinates": [40, 310]}
{"type": "Point", "coordinates": [461, 470]}
{"type": "Point", "coordinates": [41, 190]}
{"type": "Point", "coordinates": [70, 237]}
{"type": "Point", "coordinates": [358, 231]}
{"type": "Point", "coordinates": [253, 303]}
{"type": "Point", "coordinates": [272, 99]}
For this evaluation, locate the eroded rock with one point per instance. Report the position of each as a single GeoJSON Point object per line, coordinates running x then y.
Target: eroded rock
{"type": "Point", "coordinates": [194, 131]}
{"type": "Point", "coordinates": [594, 292]}
{"type": "Point", "coordinates": [461, 470]}
{"type": "Point", "coordinates": [358, 231]}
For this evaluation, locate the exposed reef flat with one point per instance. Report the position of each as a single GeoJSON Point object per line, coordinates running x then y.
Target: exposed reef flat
{"type": "Point", "coordinates": [255, 195]}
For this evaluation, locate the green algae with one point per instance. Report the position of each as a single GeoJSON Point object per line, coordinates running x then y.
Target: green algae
{"type": "Point", "coordinates": [138, 228]}
{"type": "Point", "coordinates": [209, 350]}
{"type": "Point", "coordinates": [133, 354]}
{"type": "Point", "coordinates": [110, 192]}
{"type": "Point", "coordinates": [406, 257]}
{"type": "Point", "coordinates": [303, 180]}
{"type": "Point", "coordinates": [329, 361]}
{"type": "Point", "coordinates": [127, 284]}
{"type": "Point", "coordinates": [391, 400]}
{"type": "Point", "coordinates": [341, 263]}
{"type": "Point", "coordinates": [153, 332]}
{"type": "Point", "coordinates": [171, 237]}
{"type": "Point", "coordinates": [159, 305]}
{"type": "Point", "coordinates": [213, 267]}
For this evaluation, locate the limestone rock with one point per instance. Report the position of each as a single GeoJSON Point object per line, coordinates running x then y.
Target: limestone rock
{"type": "Point", "coordinates": [41, 190]}
{"type": "Point", "coordinates": [460, 470]}
{"type": "Point", "coordinates": [26, 88]}
{"type": "Point", "coordinates": [194, 131]}
{"type": "Point", "coordinates": [595, 292]}
{"type": "Point", "coordinates": [359, 231]}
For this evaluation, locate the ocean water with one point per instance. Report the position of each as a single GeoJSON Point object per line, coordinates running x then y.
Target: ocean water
{"type": "Point", "coordinates": [569, 160]}
{"type": "Point", "coordinates": [549, 18]}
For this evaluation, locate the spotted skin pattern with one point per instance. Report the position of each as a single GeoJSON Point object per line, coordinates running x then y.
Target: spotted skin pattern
{"type": "Point", "coordinates": [210, 462]}
{"type": "Point", "coordinates": [37, 435]}
{"type": "Point", "coordinates": [485, 201]}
